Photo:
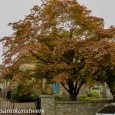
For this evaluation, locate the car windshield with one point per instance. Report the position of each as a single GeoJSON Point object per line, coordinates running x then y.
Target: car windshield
{"type": "Point", "coordinates": [110, 109]}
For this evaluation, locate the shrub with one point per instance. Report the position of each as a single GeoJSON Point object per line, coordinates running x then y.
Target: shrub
{"type": "Point", "coordinates": [95, 94]}
{"type": "Point", "coordinates": [87, 98]}
{"type": "Point", "coordinates": [83, 98]}
{"type": "Point", "coordinates": [36, 95]}
{"type": "Point", "coordinates": [89, 94]}
{"type": "Point", "coordinates": [24, 97]}
{"type": "Point", "coordinates": [57, 97]}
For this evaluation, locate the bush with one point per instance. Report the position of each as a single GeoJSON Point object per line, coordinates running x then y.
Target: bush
{"type": "Point", "coordinates": [57, 97]}
{"type": "Point", "coordinates": [24, 97]}
{"type": "Point", "coordinates": [89, 94]}
{"type": "Point", "coordinates": [95, 94]}
{"type": "Point", "coordinates": [83, 98]}
{"type": "Point", "coordinates": [36, 95]}
{"type": "Point", "coordinates": [87, 98]}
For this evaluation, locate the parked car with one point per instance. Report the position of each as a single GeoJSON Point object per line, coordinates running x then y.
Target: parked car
{"type": "Point", "coordinates": [108, 109]}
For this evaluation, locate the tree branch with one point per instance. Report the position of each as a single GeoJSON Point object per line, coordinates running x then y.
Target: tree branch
{"type": "Point", "coordinates": [71, 33]}
{"type": "Point", "coordinates": [75, 87]}
{"type": "Point", "coordinates": [39, 58]}
{"type": "Point", "coordinates": [64, 86]}
{"type": "Point", "coordinates": [51, 48]}
{"type": "Point", "coordinates": [83, 81]}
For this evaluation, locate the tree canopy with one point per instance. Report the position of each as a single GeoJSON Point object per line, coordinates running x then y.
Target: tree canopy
{"type": "Point", "coordinates": [64, 40]}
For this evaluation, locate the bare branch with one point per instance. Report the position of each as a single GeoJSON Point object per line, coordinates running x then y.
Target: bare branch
{"type": "Point", "coordinates": [64, 86]}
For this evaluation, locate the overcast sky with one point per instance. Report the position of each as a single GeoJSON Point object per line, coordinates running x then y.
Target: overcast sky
{"type": "Point", "coordinates": [14, 10]}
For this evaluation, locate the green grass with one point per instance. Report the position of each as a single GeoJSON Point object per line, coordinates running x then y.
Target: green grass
{"type": "Point", "coordinates": [83, 98]}
{"type": "Point", "coordinates": [61, 100]}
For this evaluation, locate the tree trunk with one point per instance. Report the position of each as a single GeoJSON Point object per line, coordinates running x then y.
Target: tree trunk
{"type": "Point", "coordinates": [72, 89]}
{"type": "Point", "coordinates": [72, 97]}
{"type": "Point", "coordinates": [73, 94]}
{"type": "Point", "coordinates": [114, 97]}
{"type": "Point", "coordinates": [113, 93]}
{"type": "Point", "coordinates": [112, 88]}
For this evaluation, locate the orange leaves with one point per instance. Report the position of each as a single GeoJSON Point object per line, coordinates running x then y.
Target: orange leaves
{"type": "Point", "coordinates": [62, 77]}
{"type": "Point", "coordinates": [62, 66]}
{"type": "Point", "coordinates": [35, 8]}
{"type": "Point", "coordinates": [32, 47]}
{"type": "Point", "coordinates": [107, 33]}
{"type": "Point", "coordinates": [57, 67]}
{"type": "Point", "coordinates": [64, 45]}
{"type": "Point", "coordinates": [43, 26]}
{"type": "Point", "coordinates": [62, 35]}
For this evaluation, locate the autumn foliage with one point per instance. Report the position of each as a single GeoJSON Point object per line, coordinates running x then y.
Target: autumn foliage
{"type": "Point", "coordinates": [67, 44]}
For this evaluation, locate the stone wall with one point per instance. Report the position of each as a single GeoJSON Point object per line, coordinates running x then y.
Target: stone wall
{"type": "Point", "coordinates": [79, 107]}
{"type": "Point", "coordinates": [70, 107]}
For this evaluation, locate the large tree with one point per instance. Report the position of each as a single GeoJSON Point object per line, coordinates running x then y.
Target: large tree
{"type": "Point", "coordinates": [60, 36]}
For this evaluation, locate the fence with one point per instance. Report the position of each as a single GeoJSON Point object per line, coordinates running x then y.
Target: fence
{"type": "Point", "coordinates": [6, 103]}
{"type": "Point", "coordinates": [38, 103]}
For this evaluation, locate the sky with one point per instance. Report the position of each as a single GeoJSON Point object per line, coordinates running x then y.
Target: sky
{"type": "Point", "coordinates": [15, 10]}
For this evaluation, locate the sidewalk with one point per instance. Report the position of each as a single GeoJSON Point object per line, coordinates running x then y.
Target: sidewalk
{"type": "Point", "coordinates": [28, 105]}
